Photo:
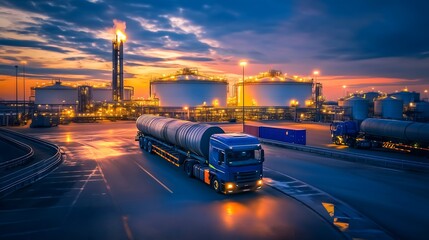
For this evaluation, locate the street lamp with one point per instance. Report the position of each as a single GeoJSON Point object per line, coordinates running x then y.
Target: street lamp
{"type": "Point", "coordinates": [16, 92]}
{"type": "Point", "coordinates": [243, 63]}
{"type": "Point", "coordinates": [344, 89]}
{"type": "Point", "coordinates": [23, 77]}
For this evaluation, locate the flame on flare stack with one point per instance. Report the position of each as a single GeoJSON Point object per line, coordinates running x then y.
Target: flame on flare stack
{"type": "Point", "coordinates": [120, 36]}
{"type": "Point", "coordinates": [118, 61]}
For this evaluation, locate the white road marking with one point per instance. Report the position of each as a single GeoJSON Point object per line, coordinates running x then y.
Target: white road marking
{"type": "Point", "coordinates": [156, 179]}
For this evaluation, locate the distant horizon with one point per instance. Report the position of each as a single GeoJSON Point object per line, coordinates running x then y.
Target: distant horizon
{"type": "Point", "coordinates": [363, 45]}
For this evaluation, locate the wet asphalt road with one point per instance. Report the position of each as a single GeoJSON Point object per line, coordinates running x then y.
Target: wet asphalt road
{"type": "Point", "coordinates": [108, 188]}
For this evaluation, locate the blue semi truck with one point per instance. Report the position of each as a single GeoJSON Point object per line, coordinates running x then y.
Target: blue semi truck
{"type": "Point", "coordinates": [229, 163]}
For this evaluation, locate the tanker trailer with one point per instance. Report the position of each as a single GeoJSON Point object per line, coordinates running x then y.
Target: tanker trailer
{"type": "Point", "coordinates": [229, 163]}
{"type": "Point", "coordinates": [405, 136]}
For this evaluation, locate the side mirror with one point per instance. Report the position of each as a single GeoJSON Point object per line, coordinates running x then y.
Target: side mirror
{"type": "Point", "coordinates": [262, 155]}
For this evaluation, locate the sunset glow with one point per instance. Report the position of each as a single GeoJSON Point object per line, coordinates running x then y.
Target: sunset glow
{"type": "Point", "coordinates": [74, 44]}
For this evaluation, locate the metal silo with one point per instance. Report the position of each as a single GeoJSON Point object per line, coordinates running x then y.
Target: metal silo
{"type": "Point", "coordinates": [371, 96]}
{"type": "Point", "coordinates": [273, 89]}
{"type": "Point", "coordinates": [102, 94]}
{"type": "Point", "coordinates": [56, 94]}
{"type": "Point", "coordinates": [406, 97]}
{"type": "Point", "coordinates": [188, 88]}
{"type": "Point", "coordinates": [358, 107]}
{"type": "Point", "coordinates": [388, 107]}
{"type": "Point", "coordinates": [422, 110]}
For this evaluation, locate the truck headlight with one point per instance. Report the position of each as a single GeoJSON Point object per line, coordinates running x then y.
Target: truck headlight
{"type": "Point", "coordinates": [229, 186]}
{"type": "Point", "coordinates": [259, 182]}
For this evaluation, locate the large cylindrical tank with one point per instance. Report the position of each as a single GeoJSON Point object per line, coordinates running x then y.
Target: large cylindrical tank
{"type": "Point", "coordinates": [422, 110]}
{"type": "Point", "coordinates": [371, 96]}
{"type": "Point", "coordinates": [388, 107]}
{"type": "Point", "coordinates": [56, 94]}
{"type": "Point", "coordinates": [406, 97]}
{"type": "Point", "coordinates": [274, 91]}
{"type": "Point", "coordinates": [396, 130]}
{"type": "Point", "coordinates": [190, 91]}
{"type": "Point", "coordinates": [358, 106]}
{"type": "Point", "coordinates": [188, 135]}
{"type": "Point", "coordinates": [102, 94]}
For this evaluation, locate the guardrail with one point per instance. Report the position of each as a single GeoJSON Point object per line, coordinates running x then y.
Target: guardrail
{"type": "Point", "coordinates": [31, 173]}
{"type": "Point", "coordinates": [356, 157]}
{"type": "Point", "coordinates": [19, 160]}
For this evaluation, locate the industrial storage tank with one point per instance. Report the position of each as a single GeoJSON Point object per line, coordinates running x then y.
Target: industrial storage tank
{"type": "Point", "coordinates": [358, 107]}
{"type": "Point", "coordinates": [274, 89]}
{"type": "Point", "coordinates": [187, 88]}
{"type": "Point", "coordinates": [191, 136]}
{"type": "Point", "coordinates": [388, 107]}
{"type": "Point", "coordinates": [371, 96]}
{"type": "Point", "coordinates": [406, 97]}
{"type": "Point", "coordinates": [55, 94]}
{"type": "Point", "coordinates": [422, 110]}
{"type": "Point", "coordinates": [102, 94]}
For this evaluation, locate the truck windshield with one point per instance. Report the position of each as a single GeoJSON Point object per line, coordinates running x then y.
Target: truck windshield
{"type": "Point", "coordinates": [236, 158]}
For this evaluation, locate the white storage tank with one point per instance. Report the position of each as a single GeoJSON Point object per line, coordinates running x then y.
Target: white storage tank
{"type": "Point", "coordinates": [55, 94]}
{"type": "Point", "coordinates": [371, 96]}
{"type": "Point", "coordinates": [273, 89]}
{"type": "Point", "coordinates": [102, 94]}
{"type": "Point", "coordinates": [358, 107]}
{"type": "Point", "coordinates": [188, 88]}
{"type": "Point", "coordinates": [406, 97]}
{"type": "Point", "coordinates": [388, 107]}
{"type": "Point", "coordinates": [422, 110]}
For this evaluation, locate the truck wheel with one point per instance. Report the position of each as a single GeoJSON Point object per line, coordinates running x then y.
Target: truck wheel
{"type": "Point", "coordinates": [337, 141]}
{"type": "Point", "coordinates": [141, 143]}
{"type": "Point", "coordinates": [351, 142]}
{"type": "Point", "coordinates": [189, 169]}
{"type": "Point", "coordinates": [216, 184]}
{"type": "Point", "coordinates": [149, 147]}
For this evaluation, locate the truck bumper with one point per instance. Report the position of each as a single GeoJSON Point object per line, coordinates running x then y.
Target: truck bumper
{"type": "Point", "coordinates": [230, 187]}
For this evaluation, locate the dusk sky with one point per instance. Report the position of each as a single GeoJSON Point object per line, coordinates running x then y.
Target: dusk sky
{"type": "Point", "coordinates": [363, 44]}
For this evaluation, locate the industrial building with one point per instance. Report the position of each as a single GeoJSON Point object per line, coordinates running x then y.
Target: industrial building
{"type": "Point", "coordinates": [272, 88]}
{"type": "Point", "coordinates": [188, 88]}
{"type": "Point", "coordinates": [81, 98]}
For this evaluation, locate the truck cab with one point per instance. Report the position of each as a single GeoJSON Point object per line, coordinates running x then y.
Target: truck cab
{"type": "Point", "coordinates": [235, 162]}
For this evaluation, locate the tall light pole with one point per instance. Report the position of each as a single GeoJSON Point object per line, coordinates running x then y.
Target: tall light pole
{"type": "Point", "coordinates": [16, 92]}
{"type": "Point", "coordinates": [344, 87]}
{"type": "Point", "coordinates": [243, 63]}
{"type": "Point", "coordinates": [23, 77]}
{"type": "Point", "coordinates": [316, 93]}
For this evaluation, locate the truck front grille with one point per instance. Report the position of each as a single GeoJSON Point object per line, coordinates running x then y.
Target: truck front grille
{"type": "Point", "coordinates": [242, 177]}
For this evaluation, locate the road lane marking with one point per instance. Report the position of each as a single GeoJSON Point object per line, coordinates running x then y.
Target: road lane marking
{"type": "Point", "coordinates": [156, 179]}
{"type": "Point", "coordinates": [127, 228]}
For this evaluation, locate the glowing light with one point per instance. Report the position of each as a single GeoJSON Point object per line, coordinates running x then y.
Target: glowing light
{"type": "Point", "coordinates": [243, 63]}
{"type": "Point", "coordinates": [316, 72]}
{"type": "Point", "coordinates": [120, 36]}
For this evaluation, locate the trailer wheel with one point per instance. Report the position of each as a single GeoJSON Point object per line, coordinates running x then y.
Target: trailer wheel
{"type": "Point", "coordinates": [149, 147]}
{"type": "Point", "coordinates": [189, 168]}
{"type": "Point", "coordinates": [216, 184]}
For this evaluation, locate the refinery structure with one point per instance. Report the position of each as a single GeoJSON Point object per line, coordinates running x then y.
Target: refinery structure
{"type": "Point", "coordinates": [191, 95]}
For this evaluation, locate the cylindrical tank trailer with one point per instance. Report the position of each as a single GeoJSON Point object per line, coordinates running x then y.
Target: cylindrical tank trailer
{"type": "Point", "coordinates": [188, 135]}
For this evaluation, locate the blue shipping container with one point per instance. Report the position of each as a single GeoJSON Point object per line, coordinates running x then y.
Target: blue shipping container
{"type": "Point", "coordinates": [297, 136]}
